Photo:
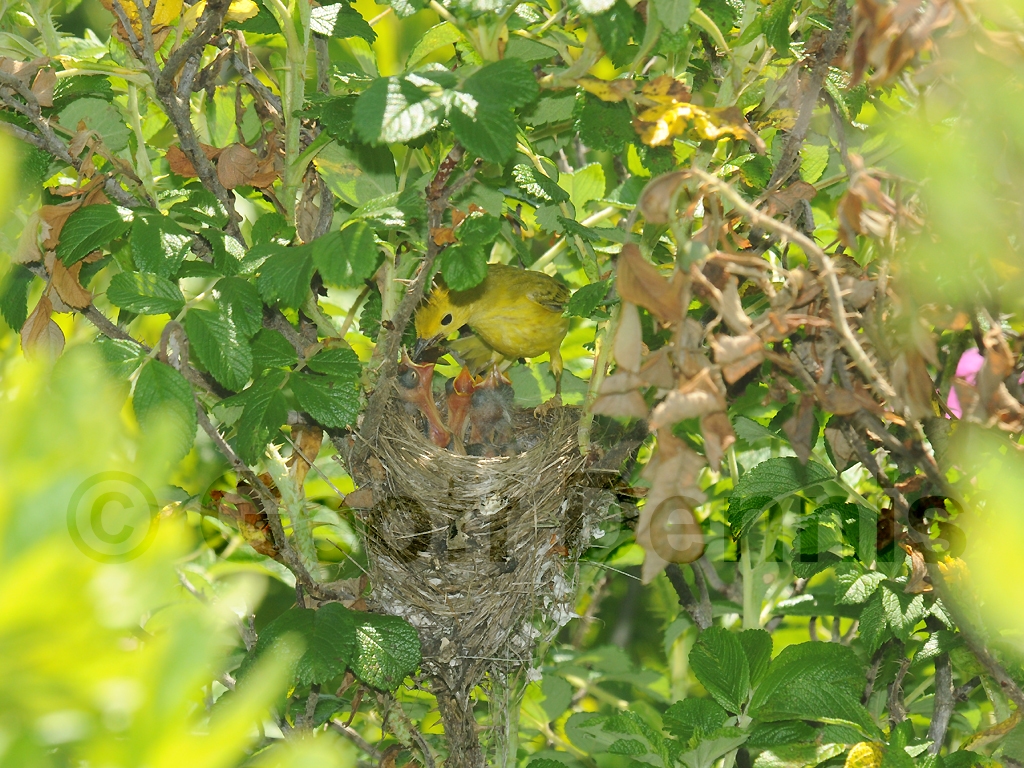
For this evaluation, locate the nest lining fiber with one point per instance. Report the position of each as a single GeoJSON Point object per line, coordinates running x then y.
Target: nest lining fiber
{"type": "Point", "coordinates": [480, 554]}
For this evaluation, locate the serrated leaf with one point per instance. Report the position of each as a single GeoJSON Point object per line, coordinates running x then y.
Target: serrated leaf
{"type": "Point", "coordinates": [813, 681]}
{"type": "Point", "coordinates": [902, 611]}
{"type": "Point", "coordinates": [340, 20]}
{"type": "Point", "coordinates": [264, 410]}
{"type": "Point", "coordinates": [673, 13]}
{"type": "Point", "coordinates": [776, 734]}
{"type": "Point", "coordinates": [719, 663]}
{"type": "Point", "coordinates": [267, 227]}
{"type": "Point", "coordinates": [536, 184]}
{"type": "Point", "coordinates": [164, 404]}
{"type": "Point", "coordinates": [285, 276]}
{"type": "Point", "coordinates": [627, 747]}
{"type": "Point", "coordinates": [939, 642]}
{"type": "Point", "coordinates": [714, 746]}
{"type": "Point", "coordinates": [332, 401]}
{"type": "Point", "coordinates": [329, 644]}
{"type": "Point", "coordinates": [90, 228]}
{"type": "Point", "coordinates": [387, 649]}
{"type": "Point", "coordinates": [854, 584]}
{"type": "Point", "coordinates": [121, 357]}
{"type": "Point", "coordinates": [359, 173]}
{"type": "Point", "coordinates": [776, 26]}
{"type": "Point", "coordinates": [347, 258]}
{"type": "Point", "coordinates": [479, 230]}
{"type": "Point", "coordinates": [220, 346]}
{"type": "Point", "coordinates": [767, 483]}
{"type": "Point", "coordinates": [145, 294]}
{"type": "Point", "coordinates": [270, 349]}
{"type": "Point", "coordinates": [694, 718]}
{"type": "Point", "coordinates": [584, 185]}
{"type": "Point", "coordinates": [757, 645]}
{"type": "Point", "coordinates": [159, 245]}
{"type": "Point", "coordinates": [528, 50]}
{"type": "Point", "coordinates": [813, 161]}
{"type": "Point", "coordinates": [585, 300]}
{"type": "Point", "coordinates": [490, 132]}
{"type": "Point", "coordinates": [240, 302]}
{"type": "Point", "coordinates": [434, 38]}
{"type": "Point", "coordinates": [463, 267]}
{"type": "Point", "coordinates": [14, 296]}
{"type": "Point", "coordinates": [100, 116]}
{"type": "Point", "coordinates": [341, 363]}
{"type": "Point", "coordinates": [393, 110]}
{"type": "Point", "coordinates": [873, 629]}
{"type": "Point", "coordinates": [506, 83]}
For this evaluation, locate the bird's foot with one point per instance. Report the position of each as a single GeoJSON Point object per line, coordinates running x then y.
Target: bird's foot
{"type": "Point", "coordinates": [545, 408]}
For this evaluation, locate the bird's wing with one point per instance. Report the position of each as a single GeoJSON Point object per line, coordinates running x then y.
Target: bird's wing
{"type": "Point", "coordinates": [549, 294]}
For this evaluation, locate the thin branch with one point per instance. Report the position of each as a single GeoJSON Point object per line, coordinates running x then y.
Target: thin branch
{"type": "Point", "coordinates": [352, 735]}
{"type": "Point", "coordinates": [826, 270]}
{"type": "Point", "coordinates": [789, 162]}
{"type": "Point", "coordinates": [699, 610]}
{"type": "Point", "coordinates": [897, 712]}
{"type": "Point", "coordinates": [944, 703]}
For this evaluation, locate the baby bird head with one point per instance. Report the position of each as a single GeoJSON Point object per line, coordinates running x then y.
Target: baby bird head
{"type": "Point", "coordinates": [436, 319]}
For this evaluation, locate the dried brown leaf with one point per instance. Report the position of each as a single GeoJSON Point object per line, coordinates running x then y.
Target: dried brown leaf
{"type": "Point", "coordinates": [732, 308]}
{"type": "Point", "coordinates": [42, 86]}
{"type": "Point", "coordinates": [41, 337]}
{"type": "Point", "coordinates": [307, 440]}
{"type": "Point", "coordinates": [912, 383]}
{"type": "Point", "coordinates": [718, 436]}
{"type": "Point", "coordinates": [843, 453]}
{"type": "Point", "coordinates": [628, 346]}
{"type": "Point", "coordinates": [619, 395]}
{"type": "Point", "coordinates": [801, 428]}
{"type": "Point", "coordinates": [641, 283]}
{"type": "Point", "coordinates": [737, 354]}
{"type": "Point", "coordinates": [65, 283]}
{"type": "Point", "coordinates": [656, 201]}
{"type": "Point", "coordinates": [236, 166]}
{"type": "Point", "coordinates": [697, 397]}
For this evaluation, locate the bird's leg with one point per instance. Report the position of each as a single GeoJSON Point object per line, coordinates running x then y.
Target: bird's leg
{"type": "Point", "coordinates": [459, 399]}
{"type": "Point", "coordinates": [414, 386]}
{"type": "Point", "coordinates": [544, 409]}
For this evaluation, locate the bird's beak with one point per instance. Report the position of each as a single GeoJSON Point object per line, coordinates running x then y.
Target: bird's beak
{"type": "Point", "coordinates": [421, 346]}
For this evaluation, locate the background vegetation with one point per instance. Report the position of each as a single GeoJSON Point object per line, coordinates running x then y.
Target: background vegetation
{"type": "Point", "coordinates": [793, 232]}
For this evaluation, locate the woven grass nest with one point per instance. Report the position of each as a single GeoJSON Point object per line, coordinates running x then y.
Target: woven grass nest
{"type": "Point", "coordinates": [480, 554]}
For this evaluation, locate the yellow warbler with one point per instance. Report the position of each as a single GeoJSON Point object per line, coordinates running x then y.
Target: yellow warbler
{"type": "Point", "coordinates": [513, 312]}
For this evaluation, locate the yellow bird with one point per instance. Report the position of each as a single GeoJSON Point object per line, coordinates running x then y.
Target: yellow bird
{"type": "Point", "coordinates": [513, 312]}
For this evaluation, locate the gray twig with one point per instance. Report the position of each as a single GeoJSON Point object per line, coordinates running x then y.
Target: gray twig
{"type": "Point", "coordinates": [699, 610]}
{"type": "Point", "coordinates": [944, 703]}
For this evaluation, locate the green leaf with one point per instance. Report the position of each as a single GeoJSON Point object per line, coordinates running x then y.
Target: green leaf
{"type": "Point", "coordinates": [479, 230]}
{"type": "Point", "coordinates": [605, 125]}
{"type": "Point", "coordinates": [100, 116]}
{"type": "Point", "coordinates": [14, 296]}
{"type": "Point", "coordinates": [528, 50]}
{"type": "Point", "coordinates": [145, 294]}
{"type": "Point", "coordinates": [902, 611]}
{"type": "Point", "coordinates": [767, 483]}
{"type": "Point", "coordinates": [855, 584]}
{"type": "Point", "coordinates": [813, 161]}
{"type": "Point", "coordinates": [757, 645]}
{"type": "Point", "coordinates": [220, 347]}
{"type": "Point", "coordinates": [673, 13]}
{"type": "Point", "coordinates": [939, 642]}
{"type": "Point", "coordinates": [240, 302]}
{"type": "Point", "coordinates": [692, 719]}
{"type": "Point", "coordinates": [332, 401]}
{"type": "Point", "coordinates": [393, 110]}
{"type": "Point", "coordinates": [121, 357]}
{"type": "Point", "coordinates": [489, 132]}
{"type": "Point", "coordinates": [387, 650]}
{"type": "Point", "coordinates": [285, 276]}
{"type": "Point", "coordinates": [873, 629]}
{"type": "Point", "coordinates": [538, 185]}
{"type": "Point", "coordinates": [587, 299]}
{"type": "Point", "coordinates": [506, 83]}
{"type": "Point", "coordinates": [164, 405]}
{"type": "Point", "coordinates": [583, 185]}
{"type": "Point", "coordinates": [159, 244]}
{"type": "Point", "coordinates": [627, 747]}
{"type": "Point", "coordinates": [267, 227]}
{"type": "Point", "coordinates": [357, 174]}
{"type": "Point", "coordinates": [90, 228]}
{"type": "Point", "coordinates": [615, 27]}
{"type": "Point", "coordinates": [329, 644]}
{"type": "Point", "coordinates": [264, 410]}
{"type": "Point", "coordinates": [200, 207]}
{"type": "Point", "coordinates": [463, 267]}
{"type": "Point", "coordinates": [434, 38]}
{"type": "Point", "coordinates": [813, 681]}
{"type": "Point", "coordinates": [714, 746]}
{"type": "Point", "coordinates": [776, 734]}
{"type": "Point", "coordinates": [270, 349]}
{"type": "Point", "coordinates": [557, 108]}
{"type": "Point", "coordinates": [719, 663]}
{"type": "Point", "coordinates": [776, 25]}
{"type": "Point", "coordinates": [347, 258]}
{"type": "Point", "coordinates": [340, 20]}
{"type": "Point", "coordinates": [69, 89]}
{"type": "Point", "coordinates": [341, 363]}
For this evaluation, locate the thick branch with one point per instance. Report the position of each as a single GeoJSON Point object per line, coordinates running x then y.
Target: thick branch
{"type": "Point", "coordinates": [699, 610]}
{"type": "Point", "coordinates": [790, 160]}
{"type": "Point", "coordinates": [944, 703]}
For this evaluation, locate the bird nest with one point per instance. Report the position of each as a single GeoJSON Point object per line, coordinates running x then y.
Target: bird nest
{"type": "Point", "coordinates": [480, 554]}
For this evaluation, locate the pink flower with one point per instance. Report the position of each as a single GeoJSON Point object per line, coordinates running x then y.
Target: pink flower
{"type": "Point", "coordinates": [968, 367]}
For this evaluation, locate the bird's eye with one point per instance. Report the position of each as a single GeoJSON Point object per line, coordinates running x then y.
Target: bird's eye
{"type": "Point", "coordinates": [447, 319]}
